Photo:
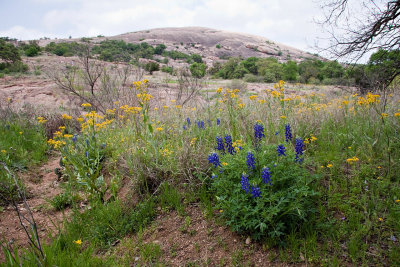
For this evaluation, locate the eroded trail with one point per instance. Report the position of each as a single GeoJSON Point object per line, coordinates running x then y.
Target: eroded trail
{"type": "Point", "coordinates": [42, 185]}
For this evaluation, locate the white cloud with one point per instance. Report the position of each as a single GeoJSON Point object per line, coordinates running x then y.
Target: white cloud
{"type": "Point", "coordinates": [284, 21]}
{"type": "Point", "coordinates": [23, 33]}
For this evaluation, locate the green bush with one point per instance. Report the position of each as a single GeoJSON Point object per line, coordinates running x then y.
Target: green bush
{"type": "Point", "coordinates": [152, 66]}
{"type": "Point", "coordinates": [261, 193]}
{"type": "Point", "coordinates": [198, 70]}
{"type": "Point", "coordinates": [167, 69]}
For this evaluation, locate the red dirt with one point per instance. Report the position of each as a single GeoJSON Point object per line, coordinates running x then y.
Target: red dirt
{"type": "Point", "coordinates": [42, 185]}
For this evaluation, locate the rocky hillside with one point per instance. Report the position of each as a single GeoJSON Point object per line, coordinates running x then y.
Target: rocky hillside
{"type": "Point", "coordinates": [211, 44]}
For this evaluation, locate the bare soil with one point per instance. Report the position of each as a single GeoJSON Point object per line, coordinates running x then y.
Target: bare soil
{"type": "Point", "coordinates": [41, 184]}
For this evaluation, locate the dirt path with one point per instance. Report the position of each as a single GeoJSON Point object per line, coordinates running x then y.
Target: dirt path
{"type": "Point", "coordinates": [42, 185]}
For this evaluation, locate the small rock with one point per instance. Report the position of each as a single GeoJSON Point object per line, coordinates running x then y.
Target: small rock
{"type": "Point", "coordinates": [248, 241]}
{"type": "Point", "coordinates": [136, 258]}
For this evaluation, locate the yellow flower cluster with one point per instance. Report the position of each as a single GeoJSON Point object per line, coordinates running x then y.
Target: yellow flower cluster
{"type": "Point", "coordinates": [41, 120]}
{"type": "Point", "coordinates": [132, 110]}
{"type": "Point", "coordinates": [253, 97]}
{"type": "Point", "coordinates": [86, 105]}
{"type": "Point", "coordinates": [311, 139]}
{"type": "Point", "coordinates": [66, 117]}
{"type": "Point", "coordinates": [368, 99]}
{"type": "Point", "coordinates": [143, 98]}
{"type": "Point", "coordinates": [166, 151]}
{"type": "Point", "coordinates": [193, 141]}
{"type": "Point", "coordinates": [352, 160]}
{"type": "Point", "coordinates": [237, 145]}
{"type": "Point", "coordinates": [280, 86]}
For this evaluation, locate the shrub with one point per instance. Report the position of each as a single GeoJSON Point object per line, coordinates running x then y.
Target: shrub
{"type": "Point", "coordinates": [198, 70]}
{"type": "Point", "coordinates": [167, 69]}
{"type": "Point", "coordinates": [152, 66]}
{"type": "Point", "coordinates": [264, 191]}
{"type": "Point", "coordinates": [238, 84]}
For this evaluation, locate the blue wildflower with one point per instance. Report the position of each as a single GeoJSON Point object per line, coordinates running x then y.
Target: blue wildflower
{"type": "Point", "coordinates": [200, 124]}
{"type": "Point", "coordinates": [258, 132]}
{"type": "Point", "coordinates": [184, 127]}
{"type": "Point", "coordinates": [87, 142]}
{"type": "Point", "coordinates": [229, 144]}
{"type": "Point", "coordinates": [288, 133]}
{"type": "Point", "coordinates": [86, 154]}
{"type": "Point", "coordinates": [221, 170]}
{"type": "Point", "coordinates": [218, 122]}
{"type": "Point", "coordinates": [256, 191]}
{"type": "Point", "coordinates": [213, 176]}
{"type": "Point", "coordinates": [220, 144]}
{"type": "Point", "coordinates": [266, 176]}
{"type": "Point", "coordinates": [214, 159]}
{"type": "Point", "coordinates": [75, 138]}
{"type": "Point", "coordinates": [299, 149]}
{"type": "Point", "coordinates": [250, 160]}
{"type": "Point", "coordinates": [104, 145]}
{"type": "Point", "coordinates": [281, 150]}
{"type": "Point", "coordinates": [244, 180]}
{"type": "Point", "coordinates": [276, 133]}
{"type": "Point", "coordinates": [188, 121]}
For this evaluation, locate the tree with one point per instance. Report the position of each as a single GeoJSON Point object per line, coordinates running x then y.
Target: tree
{"type": "Point", "coordinates": [198, 70]}
{"type": "Point", "coordinates": [8, 52]}
{"type": "Point", "coordinates": [358, 27]}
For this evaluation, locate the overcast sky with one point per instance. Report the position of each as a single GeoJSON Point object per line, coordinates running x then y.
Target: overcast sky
{"type": "Point", "coordinates": [289, 22]}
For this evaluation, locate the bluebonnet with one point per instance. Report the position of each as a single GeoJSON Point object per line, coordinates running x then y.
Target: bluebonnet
{"type": "Point", "coordinates": [184, 127]}
{"type": "Point", "coordinates": [221, 170]}
{"type": "Point", "coordinates": [288, 133]}
{"type": "Point", "coordinates": [220, 144]}
{"type": "Point", "coordinates": [214, 159]}
{"type": "Point", "coordinates": [299, 149]}
{"type": "Point", "coordinates": [75, 138]}
{"type": "Point", "coordinates": [250, 160]}
{"type": "Point", "coordinates": [87, 142]}
{"type": "Point", "coordinates": [104, 145]}
{"type": "Point", "coordinates": [86, 154]}
{"type": "Point", "coordinates": [276, 133]}
{"type": "Point", "coordinates": [281, 150]}
{"type": "Point", "coordinates": [256, 191]}
{"type": "Point", "coordinates": [244, 180]}
{"type": "Point", "coordinates": [188, 121]}
{"type": "Point", "coordinates": [213, 176]}
{"type": "Point", "coordinates": [218, 122]}
{"type": "Point", "coordinates": [200, 124]}
{"type": "Point", "coordinates": [229, 144]}
{"type": "Point", "coordinates": [266, 176]}
{"type": "Point", "coordinates": [258, 132]}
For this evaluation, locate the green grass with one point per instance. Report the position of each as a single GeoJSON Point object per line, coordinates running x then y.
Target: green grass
{"type": "Point", "coordinates": [356, 215]}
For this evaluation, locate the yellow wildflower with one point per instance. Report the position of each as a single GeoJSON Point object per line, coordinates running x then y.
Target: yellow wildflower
{"type": "Point", "coordinates": [329, 166]}
{"type": "Point", "coordinates": [219, 90]}
{"type": "Point", "coordinates": [380, 219]}
{"type": "Point", "coordinates": [80, 119]}
{"type": "Point", "coordinates": [86, 105]}
{"type": "Point", "coordinates": [224, 163]}
{"type": "Point", "coordinates": [159, 129]}
{"type": "Point", "coordinates": [193, 141]}
{"type": "Point", "coordinates": [397, 201]}
{"type": "Point", "coordinates": [78, 242]}
{"type": "Point", "coordinates": [352, 160]}
{"type": "Point", "coordinates": [283, 117]}
{"type": "Point", "coordinates": [66, 117]}
{"type": "Point", "coordinates": [41, 119]}
{"type": "Point", "coordinates": [397, 114]}
{"type": "Point", "coordinates": [253, 97]}
{"type": "Point", "coordinates": [3, 151]}
{"type": "Point", "coordinates": [384, 115]}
